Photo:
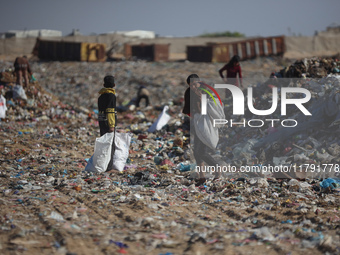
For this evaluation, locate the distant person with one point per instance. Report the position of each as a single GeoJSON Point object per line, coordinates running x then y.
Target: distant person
{"type": "Point", "coordinates": [192, 105]}
{"type": "Point", "coordinates": [107, 111]}
{"type": "Point", "coordinates": [22, 69]}
{"type": "Point", "coordinates": [196, 97]}
{"type": "Point", "coordinates": [143, 92]}
{"type": "Point", "coordinates": [232, 68]}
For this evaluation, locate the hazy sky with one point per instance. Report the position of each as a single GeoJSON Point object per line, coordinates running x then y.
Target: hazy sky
{"type": "Point", "coordinates": [177, 18]}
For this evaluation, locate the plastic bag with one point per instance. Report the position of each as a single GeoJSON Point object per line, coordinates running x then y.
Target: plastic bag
{"type": "Point", "coordinates": [205, 130]}
{"type": "Point", "coordinates": [3, 107]}
{"type": "Point", "coordinates": [161, 121]}
{"type": "Point", "coordinates": [122, 144]}
{"type": "Point", "coordinates": [186, 166]}
{"type": "Point", "coordinates": [102, 154]}
{"type": "Point", "coordinates": [329, 182]}
{"type": "Point", "coordinates": [19, 92]}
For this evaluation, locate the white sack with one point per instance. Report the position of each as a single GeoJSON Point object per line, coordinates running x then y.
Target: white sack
{"type": "Point", "coordinates": [102, 154]}
{"type": "Point", "coordinates": [122, 144]}
{"type": "Point", "coordinates": [19, 92]}
{"type": "Point", "coordinates": [205, 130]}
{"type": "Point", "coordinates": [3, 107]}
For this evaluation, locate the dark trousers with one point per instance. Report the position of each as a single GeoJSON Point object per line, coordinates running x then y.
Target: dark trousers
{"type": "Point", "coordinates": [20, 73]}
{"type": "Point", "coordinates": [139, 98]}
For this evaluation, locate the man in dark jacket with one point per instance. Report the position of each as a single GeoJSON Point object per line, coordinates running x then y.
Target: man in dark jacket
{"type": "Point", "coordinates": [107, 111]}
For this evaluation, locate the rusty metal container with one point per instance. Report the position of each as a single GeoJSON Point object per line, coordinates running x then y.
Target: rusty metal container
{"type": "Point", "coordinates": [220, 53]}
{"type": "Point", "coordinates": [199, 53]}
{"type": "Point", "coordinates": [127, 51]}
{"type": "Point", "coordinates": [246, 49]}
{"type": "Point", "coordinates": [252, 49]}
{"type": "Point", "coordinates": [280, 45]}
{"type": "Point", "coordinates": [161, 52]}
{"type": "Point", "coordinates": [261, 48]}
{"type": "Point", "coordinates": [148, 52]}
{"type": "Point", "coordinates": [93, 52]}
{"type": "Point", "coordinates": [69, 51]}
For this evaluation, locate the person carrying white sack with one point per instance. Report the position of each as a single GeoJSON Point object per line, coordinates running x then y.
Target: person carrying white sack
{"type": "Point", "coordinates": [107, 116]}
{"type": "Point", "coordinates": [192, 101]}
{"type": "Point", "coordinates": [3, 107]}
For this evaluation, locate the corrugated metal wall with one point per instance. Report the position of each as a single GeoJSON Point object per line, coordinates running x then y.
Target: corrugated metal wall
{"type": "Point", "coordinates": [246, 49]}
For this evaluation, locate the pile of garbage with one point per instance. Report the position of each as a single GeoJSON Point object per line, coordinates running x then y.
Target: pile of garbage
{"type": "Point", "coordinates": [155, 206]}
{"type": "Point", "coordinates": [312, 67]}
{"type": "Point", "coordinates": [35, 103]}
{"type": "Point", "coordinates": [315, 138]}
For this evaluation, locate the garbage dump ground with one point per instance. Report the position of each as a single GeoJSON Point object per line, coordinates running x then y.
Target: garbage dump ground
{"type": "Point", "coordinates": [50, 205]}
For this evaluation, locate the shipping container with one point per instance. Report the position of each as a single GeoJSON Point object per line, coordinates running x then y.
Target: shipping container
{"type": "Point", "coordinates": [69, 51]}
{"type": "Point", "coordinates": [219, 54]}
{"type": "Point", "coordinates": [246, 49]}
{"type": "Point", "coordinates": [148, 52]}
{"type": "Point", "coordinates": [199, 53]}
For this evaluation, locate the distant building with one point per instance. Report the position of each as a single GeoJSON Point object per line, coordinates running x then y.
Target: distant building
{"type": "Point", "coordinates": [142, 34]}
{"type": "Point", "coordinates": [74, 32]}
{"type": "Point", "coordinates": [333, 29]}
{"type": "Point", "coordinates": [31, 33]}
